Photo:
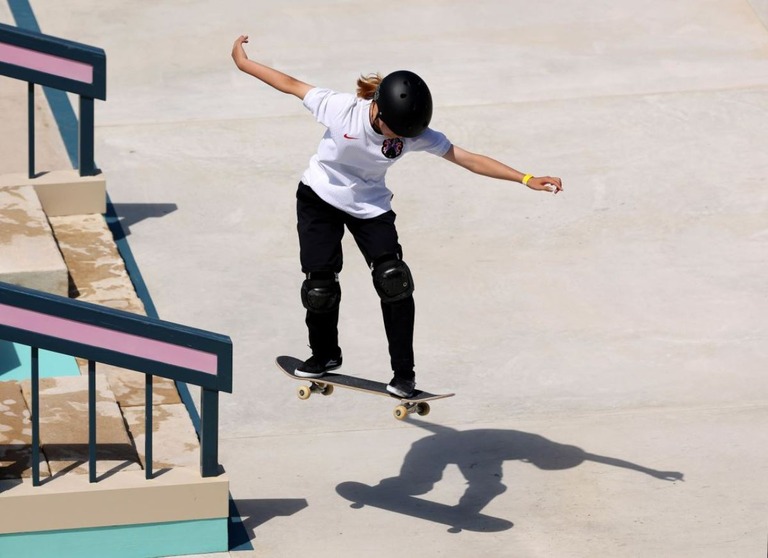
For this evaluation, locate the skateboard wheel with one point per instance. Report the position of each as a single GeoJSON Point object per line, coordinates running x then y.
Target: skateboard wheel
{"type": "Point", "coordinates": [401, 412]}
{"type": "Point", "coordinates": [327, 389]}
{"type": "Point", "coordinates": [304, 392]}
{"type": "Point", "coordinates": [423, 409]}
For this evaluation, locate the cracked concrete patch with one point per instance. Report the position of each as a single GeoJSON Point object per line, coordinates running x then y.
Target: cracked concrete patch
{"type": "Point", "coordinates": [16, 435]}
{"type": "Point", "coordinates": [128, 387]}
{"type": "Point", "coordinates": [175, 442]}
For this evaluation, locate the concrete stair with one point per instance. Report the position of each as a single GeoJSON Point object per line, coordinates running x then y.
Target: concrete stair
{"type": "Point", "coordinates": [75, 256]}
{"type": "Point", "coordinates": [87, 267]}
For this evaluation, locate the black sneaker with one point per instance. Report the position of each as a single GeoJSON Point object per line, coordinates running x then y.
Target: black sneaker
{"type": "Point", "coordinates": [315, 367]}
{"type": "Point", "coordinates": [402, 387]}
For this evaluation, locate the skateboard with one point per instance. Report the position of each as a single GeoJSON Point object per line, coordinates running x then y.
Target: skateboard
{"type": "Point", "coordinates": [455, 517]}
{"type": "Point", "coordinates": [417, 403]}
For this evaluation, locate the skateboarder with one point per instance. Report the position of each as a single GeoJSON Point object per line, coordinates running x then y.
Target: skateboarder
{"type": "Point", "coordinates": [344, 186]}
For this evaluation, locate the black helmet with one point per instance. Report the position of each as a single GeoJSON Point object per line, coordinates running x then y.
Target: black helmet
{"type": "Point", "coordinates": [404, 103]}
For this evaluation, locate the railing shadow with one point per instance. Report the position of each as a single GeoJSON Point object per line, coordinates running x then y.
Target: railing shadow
{"type": "Point", "coordinates": [17, 459]}
{"type": "Point", "coordinates": [129, 214]}
{"type": "Point", "coordinates": [480, 455]}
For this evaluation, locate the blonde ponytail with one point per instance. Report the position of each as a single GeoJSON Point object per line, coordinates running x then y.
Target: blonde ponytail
{"type": "Point", "coordinates": [366, 85]}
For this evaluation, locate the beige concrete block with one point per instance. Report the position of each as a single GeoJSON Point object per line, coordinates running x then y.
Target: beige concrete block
{"type": "Point", "coordinates": [16, 435]}
{"type": "Point", "coordinates": [97, 271]}
{"type": "Point", "coordinates": [64, 426]}
{"type": "Point", "coordinates": [175, 442]}
{"type": "Point", "coordinates": [29, 256]}
{"type": "Point", "coordinates": [125, 498]}
{"type": "Point", "coordinates": [64, 192]}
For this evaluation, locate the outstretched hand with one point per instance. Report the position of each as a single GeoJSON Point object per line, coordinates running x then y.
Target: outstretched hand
{"type": "Point", "coordinates": [546, 184]}
{"type": "Point", "coordinates": [668, 475]}
{"type": "Point", "coordinates": [238, 52]}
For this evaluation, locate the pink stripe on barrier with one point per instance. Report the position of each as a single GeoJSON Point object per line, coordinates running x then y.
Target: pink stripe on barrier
{"type": "Point", "coordinates": [46, 63]}
{"type": "Point", "coordinates": [102, 338]}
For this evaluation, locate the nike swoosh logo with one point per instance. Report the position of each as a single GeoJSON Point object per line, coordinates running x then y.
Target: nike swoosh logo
{"type": "Point", "coordinates": [347, 136]}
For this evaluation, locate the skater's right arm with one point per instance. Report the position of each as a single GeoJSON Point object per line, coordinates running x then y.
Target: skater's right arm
{"type": "Point", "coordinates": [270, 76]}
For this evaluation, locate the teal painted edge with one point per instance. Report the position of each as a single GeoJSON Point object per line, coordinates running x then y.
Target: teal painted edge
{"type": "Point", "coordinates": [202, 536]}
{"type": "Point", "coordinates": [16, 363]}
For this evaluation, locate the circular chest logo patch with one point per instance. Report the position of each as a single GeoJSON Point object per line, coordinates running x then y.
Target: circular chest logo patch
{"type": "Point", "coordinates": [392, 147]}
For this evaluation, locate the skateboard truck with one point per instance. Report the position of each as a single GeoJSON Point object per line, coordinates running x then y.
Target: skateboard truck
{"type": "Point", "coordinates": [409, 407]}
{"type": "Point", "coordinates": [315, 387]}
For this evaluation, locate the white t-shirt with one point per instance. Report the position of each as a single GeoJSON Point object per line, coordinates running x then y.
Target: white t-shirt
{"type": "Point", "coordinates": [351, 162]}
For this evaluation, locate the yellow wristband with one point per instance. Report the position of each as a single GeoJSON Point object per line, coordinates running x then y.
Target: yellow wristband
{"type": "Point", "coordinates": [526, 178]}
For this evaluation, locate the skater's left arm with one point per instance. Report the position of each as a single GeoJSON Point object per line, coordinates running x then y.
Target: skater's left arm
{"type": "Point", "coordinates": [480, 164]}
{"type": "Point", "coordinates": [275, 78]}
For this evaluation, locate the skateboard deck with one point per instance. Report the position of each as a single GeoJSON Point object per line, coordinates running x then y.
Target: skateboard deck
{"type": "Point", "coordinates": [417, 403]}
{"type": "Point", "coordinates": [455, 517]}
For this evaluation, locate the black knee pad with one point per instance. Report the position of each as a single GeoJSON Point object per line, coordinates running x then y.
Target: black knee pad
{"type": "Point", "coordinates": [393, 280]}
{"type": "Point", "coordinates": [321, 294]}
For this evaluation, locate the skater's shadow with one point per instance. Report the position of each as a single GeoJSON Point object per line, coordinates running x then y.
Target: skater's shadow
{"type": "Point", "coordinates": [480, 456]}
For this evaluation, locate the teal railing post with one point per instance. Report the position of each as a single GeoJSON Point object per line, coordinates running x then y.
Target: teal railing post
{"type": "Point", "coordinates": [35, 380]}
{"type": "Point", "coordinates": [209, 433]}
{"type": "Point", "coordinates": [92, 421]}
{"type": "Point", "coordinates": [148, 428]}
{"type": "Point", "coordinates": [31, 128]}
{"type": "Point", "coordinates": [85, 137]}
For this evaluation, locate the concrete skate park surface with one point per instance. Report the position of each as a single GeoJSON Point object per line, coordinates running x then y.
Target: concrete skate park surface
{"type": "Point", "coordinates": [606, 345]}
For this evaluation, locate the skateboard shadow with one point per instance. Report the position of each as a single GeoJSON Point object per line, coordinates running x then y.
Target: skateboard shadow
{"type": "Point", "coordinates": [480, 455]}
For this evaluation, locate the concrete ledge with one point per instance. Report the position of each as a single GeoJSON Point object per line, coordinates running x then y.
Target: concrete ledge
{"type": "Point", "coordinates": [64, 192]}
{"type": "Point", "coordinates": [29, 255]}
{"type": "Point", "coordinates": [125, 498]}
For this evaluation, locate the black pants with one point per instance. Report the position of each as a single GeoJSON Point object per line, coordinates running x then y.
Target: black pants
{"type": "Point", "coordinates": [321, 228]}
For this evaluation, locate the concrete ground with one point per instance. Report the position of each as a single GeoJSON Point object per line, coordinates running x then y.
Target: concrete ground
{"type": "Point", "coordinates": [606, 345]}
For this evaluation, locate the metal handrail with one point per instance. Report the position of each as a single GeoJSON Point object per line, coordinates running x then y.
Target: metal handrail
{"type": "Point", "coordinates": [147, 345]}
{"type": "Point", "coordinates": [50, 61]}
